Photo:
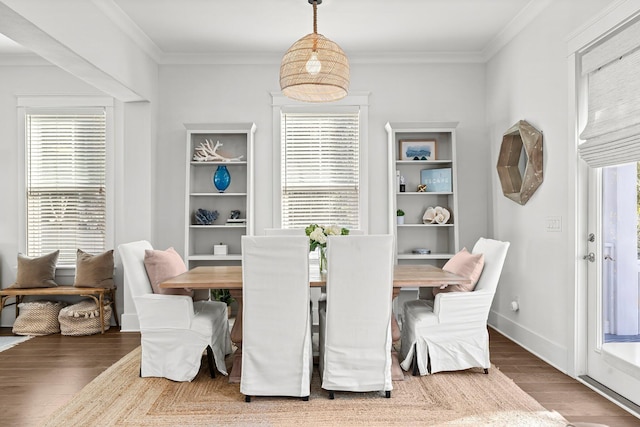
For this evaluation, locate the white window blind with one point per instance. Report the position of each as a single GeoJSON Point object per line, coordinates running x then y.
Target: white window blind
{"type": "Point", "coordinates": [320, 169]}
{"type": "Point", "coordinates": [66, 180]}
{"type": "Point", "coordinates": [612, 133]}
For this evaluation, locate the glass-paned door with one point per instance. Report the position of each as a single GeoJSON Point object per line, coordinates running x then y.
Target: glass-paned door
{"type": "Point", "coordinates": [613, 357]}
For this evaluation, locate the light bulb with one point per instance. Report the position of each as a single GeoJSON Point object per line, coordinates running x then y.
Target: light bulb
{"type": "Point", "coordinates": [313, 64]}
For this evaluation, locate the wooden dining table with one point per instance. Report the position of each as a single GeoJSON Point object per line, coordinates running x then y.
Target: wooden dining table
{"type": "Point", "coordinates": [230, 277]}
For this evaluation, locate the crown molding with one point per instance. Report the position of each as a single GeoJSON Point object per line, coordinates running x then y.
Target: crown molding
{"type": "Point", "coordinates": [261, 58]}
{"type": "Point", "coordinates": [614, 16]}
{"type": "Point", "coordinates": [514, 27]}
{"type": "Point", "coordinates": [125, 24]}
{"type": "Point", "coordinates": [416, 58]}
{"type": "Point", "coordinates": [122, 21]}
{"type": "Point", "coordinates": [29, 59]}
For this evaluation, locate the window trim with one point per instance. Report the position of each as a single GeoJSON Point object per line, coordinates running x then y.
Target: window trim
{"type": "Point", "coordinates": [354, 101]}
{"type": "Point", "coordinates": [26, 104]}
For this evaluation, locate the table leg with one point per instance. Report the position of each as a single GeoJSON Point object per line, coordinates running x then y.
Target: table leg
{"type": "Point", "coordinates": [236, 338]}
{"type": "Point", "coordinates": [396, 370]}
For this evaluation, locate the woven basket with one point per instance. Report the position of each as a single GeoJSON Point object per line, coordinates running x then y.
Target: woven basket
{"type": "Point", "coordinates": [38, 318]}
{"type": "Point", "coordinates": [83, 318]}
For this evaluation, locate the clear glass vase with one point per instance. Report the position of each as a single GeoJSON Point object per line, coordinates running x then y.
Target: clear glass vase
{"type": "Point", "coordinates": [322, 259]}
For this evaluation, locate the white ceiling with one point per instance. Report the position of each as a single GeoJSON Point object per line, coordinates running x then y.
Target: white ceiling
{"type": "Point", "coordinates": [171, 29]}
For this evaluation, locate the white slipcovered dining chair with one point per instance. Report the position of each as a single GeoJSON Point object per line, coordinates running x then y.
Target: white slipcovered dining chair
{"type": "Point", "coordinates": [450, 332]}
{"type": "Point", "coordinates": [355, 320]}
{"type": "Point", "coordinates": [317, 294]}
{"type": "Point", "coordinates": [277, 358]}
{"type": "Point", "coordinates": [175, 331]}
{"type": "Point", "coordinates": [299, 232]}
{"type": "Point", "coordinates": [284, 232]}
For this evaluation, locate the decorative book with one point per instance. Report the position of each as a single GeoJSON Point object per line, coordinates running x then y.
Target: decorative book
{"type": "Point", "coordinates": [236, 221]}
{"type": "Point", "coordinates": [436, 180]}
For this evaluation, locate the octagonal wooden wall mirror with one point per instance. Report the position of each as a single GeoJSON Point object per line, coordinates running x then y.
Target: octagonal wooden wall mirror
{"type": "Point", "coordinates": [520, 162]}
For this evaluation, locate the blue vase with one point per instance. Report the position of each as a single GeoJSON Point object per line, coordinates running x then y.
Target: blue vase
{"type": "Point", "coordinates": [222, 178]}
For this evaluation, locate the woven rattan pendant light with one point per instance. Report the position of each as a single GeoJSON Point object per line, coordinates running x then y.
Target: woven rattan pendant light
{"type": "Point", "coordinates": [314, 69]}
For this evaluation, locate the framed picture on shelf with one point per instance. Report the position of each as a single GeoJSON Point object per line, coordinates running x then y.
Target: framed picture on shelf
{"type": "Point", "coordinates": [436, 180]}
{"type": "Point", "coordinates": [417, 149]}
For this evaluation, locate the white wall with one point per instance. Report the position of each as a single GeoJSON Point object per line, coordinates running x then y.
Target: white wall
{"type": "Point", "coordinates": [150, 172]}
{"type": "Point", "coordinates": [241, 93]}
{"type": "Point", "coordinates": [19, 81]}
{"type": "Point", "coordinates": [91, 44]}
{"type": "Point", "coordinates": [133, 168]}
{"type": "Point", "coordinates": [527, 80]}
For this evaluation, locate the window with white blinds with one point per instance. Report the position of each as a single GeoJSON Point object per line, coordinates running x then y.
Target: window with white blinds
{"type": "Point", "coordinates": [65, 183]}
{"type": "Point", "coordinates": [320, 169]}
{"type": "Point", "coordinates": [612, 134]}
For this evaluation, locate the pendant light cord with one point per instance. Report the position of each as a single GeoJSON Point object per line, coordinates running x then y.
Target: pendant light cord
{"type": "Point", "coordinates": [315, 26]}
{"type": "Point", "coordinates": [315, 20]}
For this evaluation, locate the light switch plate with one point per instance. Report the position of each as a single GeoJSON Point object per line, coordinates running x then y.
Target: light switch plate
{"type": "Point", "coordinates": [553, 224]}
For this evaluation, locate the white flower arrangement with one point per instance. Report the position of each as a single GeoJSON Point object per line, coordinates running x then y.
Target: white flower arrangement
{"type": "Point", "coordinates": [318, 234]}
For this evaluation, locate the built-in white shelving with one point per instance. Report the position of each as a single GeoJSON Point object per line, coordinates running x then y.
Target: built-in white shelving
{"type": "Point", "coordinates": [237, 139]}
{"type": "Point", "coordinates": [441, 239]}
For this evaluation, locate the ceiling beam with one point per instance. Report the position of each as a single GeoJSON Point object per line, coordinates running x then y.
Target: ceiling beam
{"type": "Point", "coordinates": [87, 45]}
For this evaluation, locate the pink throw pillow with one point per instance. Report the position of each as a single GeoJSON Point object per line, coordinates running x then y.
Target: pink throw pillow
{"type": "Point", "coordinates": [463, 264]}
{"type": "Point", "coordinates": [164, 265]}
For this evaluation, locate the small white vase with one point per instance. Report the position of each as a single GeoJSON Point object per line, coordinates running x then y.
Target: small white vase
{"type": "Point", "coordinates": [400, 220]}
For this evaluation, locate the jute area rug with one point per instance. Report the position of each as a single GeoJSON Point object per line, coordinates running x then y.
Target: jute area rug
{"type": "Point", "coordinates": [119, 397]}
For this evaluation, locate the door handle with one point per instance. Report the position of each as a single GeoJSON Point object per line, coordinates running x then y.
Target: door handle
{"type": "Point", "coordinates": [591, 257]}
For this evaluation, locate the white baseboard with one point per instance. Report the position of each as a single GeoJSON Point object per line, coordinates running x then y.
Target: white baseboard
{"type": "Point", "coordinates": [129, 323]}
{"type": "Point", "coordinates": [552, 353]}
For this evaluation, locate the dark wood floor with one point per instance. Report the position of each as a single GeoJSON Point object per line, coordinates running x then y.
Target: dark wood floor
{"type": "Point", "coordinates": [553, 389]}
{"type": "Point", "coordinates": [43, 373]}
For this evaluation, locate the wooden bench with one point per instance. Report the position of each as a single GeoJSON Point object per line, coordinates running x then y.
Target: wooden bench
{"type": "Point", "coordinates": [97, 294]}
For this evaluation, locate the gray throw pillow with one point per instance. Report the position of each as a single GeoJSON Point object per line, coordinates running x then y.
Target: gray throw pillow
{"type": "Point", "coordinates": [94, 271]}
{"type": "Point", "coordinates": [37, 272]}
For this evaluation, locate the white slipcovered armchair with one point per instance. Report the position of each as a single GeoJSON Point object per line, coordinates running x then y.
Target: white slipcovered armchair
{"type": "Point", "coordinates": [174, 330]}
{"type": "Point", "coordinates": [450, 332]}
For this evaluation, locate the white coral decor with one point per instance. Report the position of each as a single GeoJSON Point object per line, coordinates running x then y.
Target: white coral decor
{"type": "Point", "coordinates": [206, 152]}
{"type": "Point", "coordinates": [429, 215]}
{"type": "Point", "coordinates": [437, 215]}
